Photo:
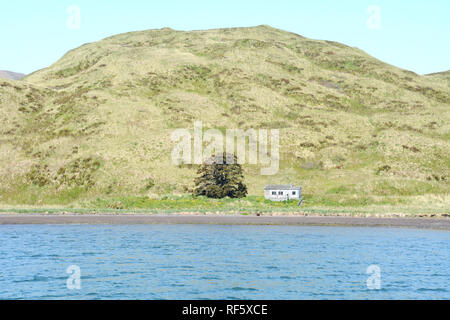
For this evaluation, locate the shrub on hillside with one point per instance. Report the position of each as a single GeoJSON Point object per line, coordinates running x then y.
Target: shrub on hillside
{"type": "Point", "coordinates": [219, 177]}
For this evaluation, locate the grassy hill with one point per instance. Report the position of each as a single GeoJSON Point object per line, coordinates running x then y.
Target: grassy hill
{"type": "Point", "coordinates": [440, 75]}
{"type": "Point", "coordinates": [94, 128]}
{"type": "Point", "coordinates": [11, 75]}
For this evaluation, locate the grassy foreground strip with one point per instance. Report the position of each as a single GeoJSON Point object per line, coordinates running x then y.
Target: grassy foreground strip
{"type": "Point", "coordinates": [246, 206]}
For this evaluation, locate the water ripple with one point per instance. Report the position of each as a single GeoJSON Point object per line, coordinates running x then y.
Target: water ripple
{"type": "Point", "coordinates": [221, 262]}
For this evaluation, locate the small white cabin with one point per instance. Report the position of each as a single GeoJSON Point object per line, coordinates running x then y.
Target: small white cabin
{"type": "Point", "coordinates": [282, 192]}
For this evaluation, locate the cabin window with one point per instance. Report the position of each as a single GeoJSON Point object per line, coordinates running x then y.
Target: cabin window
{"type": "Point", "coordinates": [274, 193]}
{"type": "Point", "coordinates": [294, 193]}
{"type": "Point", "coordinates": [280, 193]}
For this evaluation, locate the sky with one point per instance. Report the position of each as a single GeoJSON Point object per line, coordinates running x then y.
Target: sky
{"type": "Point", "coordinates": [410, 34]}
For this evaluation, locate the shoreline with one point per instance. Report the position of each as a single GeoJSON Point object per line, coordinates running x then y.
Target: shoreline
{"type": "Point", "coordinates": [117, 219]}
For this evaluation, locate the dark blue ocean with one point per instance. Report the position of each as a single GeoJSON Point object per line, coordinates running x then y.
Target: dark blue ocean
{"type": "Point", "coordinates": [222, 262]}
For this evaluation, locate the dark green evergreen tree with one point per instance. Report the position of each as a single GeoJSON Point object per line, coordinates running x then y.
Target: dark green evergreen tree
{"type": "Point", "coordinates": [219, 177]}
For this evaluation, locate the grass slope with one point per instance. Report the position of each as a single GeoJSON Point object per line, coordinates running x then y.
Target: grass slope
{"type": "Point", "coordinates": [11, 75]}
{"type": "Point", "coordinates": [93, 130]}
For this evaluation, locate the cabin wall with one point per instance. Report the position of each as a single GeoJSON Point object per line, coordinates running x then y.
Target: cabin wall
{"type": "Point", "coordinates": [268, 194]}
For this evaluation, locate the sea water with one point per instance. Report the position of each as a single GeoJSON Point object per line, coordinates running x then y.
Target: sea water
{"type": "Point", "coordinates": [222, 262]}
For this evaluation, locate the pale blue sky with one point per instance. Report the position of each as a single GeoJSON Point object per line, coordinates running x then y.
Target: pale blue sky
{"type": "Point", "coordinates": [414, 34]}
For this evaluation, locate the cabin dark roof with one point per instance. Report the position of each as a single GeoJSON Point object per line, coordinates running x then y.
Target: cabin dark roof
{"type": "Point", "coordinates": [281, 187]}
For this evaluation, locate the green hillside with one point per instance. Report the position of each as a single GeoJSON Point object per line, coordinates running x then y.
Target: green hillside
{"type": "Point", "coordinates": [443, 75]}
{"type": "Point", "coordinates": [95, 127]}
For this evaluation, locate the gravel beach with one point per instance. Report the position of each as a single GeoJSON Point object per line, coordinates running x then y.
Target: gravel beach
{"type": "Point", "coordinates": [421, 223]}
